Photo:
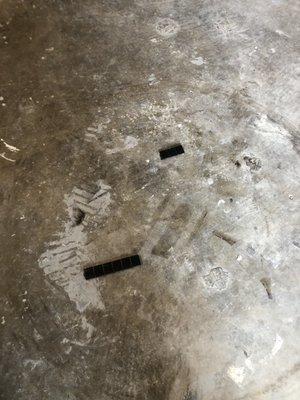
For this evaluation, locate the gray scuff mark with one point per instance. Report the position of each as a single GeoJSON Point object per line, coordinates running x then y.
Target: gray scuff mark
{"type": "Point", "coordinates": [167, 27]}
{"type": "Point", "coordinates": [182, 222]}
{"type": "Point", "coordinates": [225, 237]}
{"type": "Point", "coordinates": [253, 163]}
{"type": "Point", "coordinates": [266, 282]}
{"type": "Point", "coordinates": [217, 279]}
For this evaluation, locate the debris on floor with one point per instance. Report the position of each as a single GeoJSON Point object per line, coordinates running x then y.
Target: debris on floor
{"type": "Point", "coordinates": [171, 151]}
{"type": "Point", "coordinates": [112, 267]}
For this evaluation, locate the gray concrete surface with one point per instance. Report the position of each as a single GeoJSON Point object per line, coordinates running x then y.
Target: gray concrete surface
{"type": "Point", "coordinates": [90, 91]}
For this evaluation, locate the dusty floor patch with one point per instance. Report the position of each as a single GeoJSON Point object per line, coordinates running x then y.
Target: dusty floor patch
{"type": "Point", "coordinates": [90, 92]}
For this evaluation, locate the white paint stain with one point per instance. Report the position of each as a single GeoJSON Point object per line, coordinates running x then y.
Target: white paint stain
{"type": "Point", "coordinates": [198, 61]}
{"type": "Point", "coordinates": [10, 147]}
{"type": "Point", "coordinates": [6, 158]}
{"type": "Point", "coordinates": [237, 374]}
{"type": "Point", "coordinates": [281, 33]}
{"type": "Point", "coordinates": [221, 203]}
{"type": "Point", "coordinates": [277, 345]}
{"type": "Point", "coordinates": [249, 364]}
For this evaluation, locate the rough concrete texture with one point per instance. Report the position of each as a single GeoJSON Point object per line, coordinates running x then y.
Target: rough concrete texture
{"type": "Point", "coordinates": [90, 92]}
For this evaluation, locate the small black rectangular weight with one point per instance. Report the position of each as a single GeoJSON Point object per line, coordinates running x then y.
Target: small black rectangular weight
{"type": "Point", "coordinates": [171, 151]}
{"type": "Point", "coordinates": [111, 267]}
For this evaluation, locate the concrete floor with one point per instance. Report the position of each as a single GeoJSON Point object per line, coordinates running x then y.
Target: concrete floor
{"type": "Point", "coordinates": [90, 92]}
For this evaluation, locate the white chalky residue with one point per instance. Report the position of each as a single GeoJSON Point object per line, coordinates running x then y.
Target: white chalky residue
{"type": "Point", "coordinates": [96, 130]}
{"type": "Point", "coordinates": [249, 364]}
{"type": "Point", "coordinates": [62, 261]}
{"type": "Point", "coordinates": [152, 80]}
{"type": "Point", "coordinates": [33, 363]}
{"type": "Point", "coordinates": [88, 327]}
{"type": "Point", "coordinates": [167, 27]}
{"type": "Point", "coordinates": [36, 335]}
{"type": "Point", "coordinates": [89, 137]}
{"type": "Point", "coordinates": [281, 33]}
{"type": "Point", "coordinates": [270, 130]}
{"type": "Point", "coordinates": [130, 142]}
